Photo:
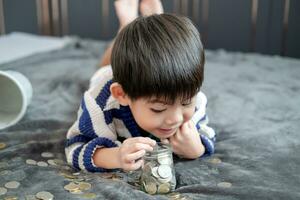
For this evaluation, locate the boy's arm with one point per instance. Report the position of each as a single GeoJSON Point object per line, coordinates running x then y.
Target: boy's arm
{"type": "Point", "coordinates": [200, 119]}
{"type": "Point", "coordinates": [92, 146]}
{"type": "Point", "coordinates": [87, 135]}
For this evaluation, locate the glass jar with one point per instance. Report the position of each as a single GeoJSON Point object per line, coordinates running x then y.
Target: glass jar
{"type": "Point", "coordinates": [158, 174]}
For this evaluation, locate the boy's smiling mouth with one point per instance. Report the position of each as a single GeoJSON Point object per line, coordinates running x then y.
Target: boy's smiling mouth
{"type": "Point", "coordinates": [167, 131]}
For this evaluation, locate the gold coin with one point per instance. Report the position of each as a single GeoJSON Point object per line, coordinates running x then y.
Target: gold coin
{"type": "Point", "coordinates": [12, 185]}
{"type": "Point", "coordinates": [44, 195]}
{"type": "Point", "coordinates": [2, 191]}
{"type": "Point", "coordinates": [106, 175]}
{"type": "Point", "coordinates": [67, 175]}
{"type": "Point", "coordinates": [71, 186]}
{"type": "Point", "coordinates": [164, 188]}
{"type": "Point", "coordinates": [76, 191]}
{"type": "Point", "coordinates": [2, 145]}
{"type": "Point", "coordinates": [224, 184]}
{"type": "Point", "coordinates": [84, 186]}
{"type": "Point", "coordinates": [150, 187]}
{"type": "Point", "coordinates": [11, 198]}
{"type": "Point", "coordinates": [174, 195]}
{"type": "Point", "coordinates": [88, 195]}
{"type": "Point", "coordinates": [215, 160]}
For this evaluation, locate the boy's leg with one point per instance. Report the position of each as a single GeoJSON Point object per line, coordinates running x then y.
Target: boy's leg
{"type": "Point", "coordinates": [150, 7]}
{"type": "Point", "coordinates": [127, 11]}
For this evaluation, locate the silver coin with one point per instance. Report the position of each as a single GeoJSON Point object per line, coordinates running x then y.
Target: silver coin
{"type": "Point", "coordinates": [154, 172]}
{"type": "Point", "coordinates": [30, 162]}
{"type": "Point", "coordinates": [164, 171]}
{"type": "Point", "coordinates": [44, 195]}
{"type": "Point", "coordinates": [51, 162]}
{"type": "Point", "coordinates": [224, 184]}
{"type": "Point", "coordinates": [2, 191]}
{"type": "Point", "coordinates": [12, 185]}
{"type": "Point", "coordinates": [42, 164]}
{"type": "Point", "coordinates": [47, 155]}
{"type": "Point", "coordinates": [164, 160]}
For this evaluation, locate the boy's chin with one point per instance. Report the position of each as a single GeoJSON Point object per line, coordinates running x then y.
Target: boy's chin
{"type": "Point", "coordinates": [163, 136]}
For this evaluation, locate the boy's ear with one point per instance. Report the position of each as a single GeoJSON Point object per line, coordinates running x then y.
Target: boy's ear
{"type": "Point", "coordinates": [118, 93]}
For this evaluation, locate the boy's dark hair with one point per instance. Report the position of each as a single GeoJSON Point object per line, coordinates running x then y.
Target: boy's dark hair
{"type": "Point", "coordinates": [159, 56]}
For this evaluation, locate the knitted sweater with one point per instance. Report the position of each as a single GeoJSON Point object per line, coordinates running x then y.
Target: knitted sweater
{"type": "Point", "coordinates": [103, 122]}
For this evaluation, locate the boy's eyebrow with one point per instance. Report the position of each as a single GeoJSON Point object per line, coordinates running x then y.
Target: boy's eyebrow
{"type": "Point", "coordinates": [157, 101]}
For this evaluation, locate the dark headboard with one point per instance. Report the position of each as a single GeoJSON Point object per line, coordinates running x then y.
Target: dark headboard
{"type": "Point", "coordinates": [263, 26]}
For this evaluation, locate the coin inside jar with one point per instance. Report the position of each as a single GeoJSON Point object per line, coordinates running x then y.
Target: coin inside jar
{"type": "Point", "coordinates": [158, 176]}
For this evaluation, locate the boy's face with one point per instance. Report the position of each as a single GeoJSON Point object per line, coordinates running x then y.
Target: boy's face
{"type": "Point", "coordinates": [160, 119]}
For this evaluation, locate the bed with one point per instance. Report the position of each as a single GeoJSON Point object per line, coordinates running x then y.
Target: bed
{"type": "Point", "coordinates": [253, 104]}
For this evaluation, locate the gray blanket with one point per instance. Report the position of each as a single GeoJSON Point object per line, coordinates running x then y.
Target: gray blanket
{"type": "Point", "coordinates": [253, 104]}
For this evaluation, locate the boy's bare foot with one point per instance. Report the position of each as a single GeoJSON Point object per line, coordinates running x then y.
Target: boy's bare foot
{"type": "Point", "coordinates": [150, 7]}
{"type": "Point", "coordinates": [127, 11]}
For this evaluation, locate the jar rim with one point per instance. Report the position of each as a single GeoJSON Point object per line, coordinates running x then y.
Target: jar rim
{"type": "Point", "coordinates": [159, 148]}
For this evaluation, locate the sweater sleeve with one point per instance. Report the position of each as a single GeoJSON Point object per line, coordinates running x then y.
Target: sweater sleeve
{"type": "Point", "coordinates": [89, 132]}
{"type": "Point", "coordinates": [200, 119]}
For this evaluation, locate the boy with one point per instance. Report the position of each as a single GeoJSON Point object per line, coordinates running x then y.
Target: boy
{"type": "Point", "coordinates": [151, 90]}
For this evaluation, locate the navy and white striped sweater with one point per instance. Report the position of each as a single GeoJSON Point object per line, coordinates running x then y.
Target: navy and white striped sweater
{"type": "Point", "coordinates": [103, 122]}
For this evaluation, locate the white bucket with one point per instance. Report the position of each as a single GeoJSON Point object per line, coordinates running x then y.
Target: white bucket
{"type": "Point", "coordinates": [15, 96]}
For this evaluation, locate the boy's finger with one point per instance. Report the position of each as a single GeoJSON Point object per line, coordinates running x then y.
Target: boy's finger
{"type": "Point", "coordinates": [136, 165]}
{"type": "Point", "coordinates": [145, 140]}
{"type": "Point", "coordinates": [135, 156]}
{"type": "Point", "coordinates": [165, 141]}
{"type": "Point", "coordinates": [140, 146]}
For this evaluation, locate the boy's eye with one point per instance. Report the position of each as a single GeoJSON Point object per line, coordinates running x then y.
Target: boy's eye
{"type": "Point", "coordinates": [186, 103]}
{"type": "Point", "coordinates": [157, 110]}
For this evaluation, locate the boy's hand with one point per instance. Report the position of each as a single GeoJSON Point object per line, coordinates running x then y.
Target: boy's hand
{"type": "Point", "coordinates": [186, 142]}
{"type": "Point", "coordinates": [133, 149]}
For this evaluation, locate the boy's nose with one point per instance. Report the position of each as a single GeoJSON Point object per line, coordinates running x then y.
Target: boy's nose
{"type": "Point", "coordinates": [175, 118]}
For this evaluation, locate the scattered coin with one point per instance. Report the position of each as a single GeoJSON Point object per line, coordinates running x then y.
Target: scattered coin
{"type": "Point", "coordinates": [174, 195]}
{"type": "Point", "coordinates": [84, 186]}
{"type": "Point", "coordinates": [5, 172]}
{"type": "Point", "coordinates": [31, 162]}
{"type": "Point", "coordinates": [47, 155]}
{"type": "Point", "coordinates": [224, 184]}
{"type": "Point", "coordinates": [11, 198]}
{"type": "Point", "coordinates": [12, 185]}
{"type": "Point", "coordinates": [2, 145]}
{"type": "Point", "coordinates": [42, 164]}
{"type": "Point", "coordinates": [30, 197]}
{"type": "Point", "coordinates": [2, 191]}
{"type": "Point", "coordinates": [4, 165]}
{"type": "Point", "coordinates": [67, 175]}
{"type": "Point", "coordinates": [88, 195]}
{"type": "Point", "coordinates": [51, 162]}
{"type": "Point", "coordinates": [215, 160]}
{"type": "Point", "coordinates": [44, 195]}
{"type": "Point", "coordinates": [59, 161]}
